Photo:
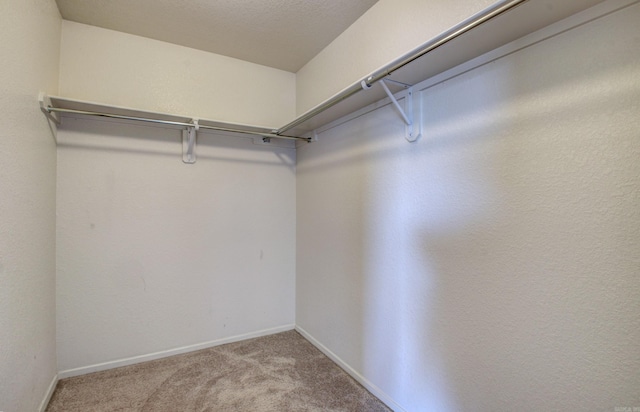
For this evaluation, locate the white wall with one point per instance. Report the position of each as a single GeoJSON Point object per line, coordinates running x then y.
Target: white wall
{"type": "Point", "coordinates": [30, 32]}
{"type": "Point", "coordinates": [110, 67]}
{"type": "Point", "coordinates": [155, 255]}
{"type": "Point", "coordinates": [493, 265]}
{"type": "Point", "coordinates": [385, 32]}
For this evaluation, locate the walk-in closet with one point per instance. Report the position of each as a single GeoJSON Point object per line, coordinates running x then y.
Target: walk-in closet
{"type": "Point", "coordinates": [411, 205]}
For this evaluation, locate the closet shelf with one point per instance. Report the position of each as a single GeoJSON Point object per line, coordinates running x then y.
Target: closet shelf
{"type": "Point", "coordinates": [496, 26]}
{"type": "Point", "coordinates": [499, 24]}
{"type": "Point", "coordinates": [54, 106]}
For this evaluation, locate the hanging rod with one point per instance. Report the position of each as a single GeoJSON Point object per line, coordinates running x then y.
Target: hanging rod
{"type": "Point", "coordinates": [527, 20]}
{"type": "Point", "coordinates": [445, 37]}
{"type": "Point", "coordinates": [50, 109]}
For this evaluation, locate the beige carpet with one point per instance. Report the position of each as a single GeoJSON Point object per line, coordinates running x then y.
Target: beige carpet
{"type": "Point", "coordinates": [281, 372]}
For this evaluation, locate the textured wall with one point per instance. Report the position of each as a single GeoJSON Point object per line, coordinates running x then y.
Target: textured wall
{"type": "Point", "coordinates": [493, 265]}
{"type": "Point", "coordinates": [386, 31]}
{"type": "Point", "coordinates": [30, 32]}
{"type": "Point", "coordinates": [110, 67]}
{"type": "Point", "coordinates": [154, 254]}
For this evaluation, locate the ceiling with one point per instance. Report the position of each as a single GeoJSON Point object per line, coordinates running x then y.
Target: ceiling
{"type": "Point", "coordinates": [283, 34]}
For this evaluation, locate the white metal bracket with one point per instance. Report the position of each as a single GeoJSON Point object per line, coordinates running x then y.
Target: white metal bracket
{"type": "Point", "coordinates": [407, 113]}
{"type": "Point", "coordinates": [189, 142]}
{"type": "Point", "coordinates": [45, 103]}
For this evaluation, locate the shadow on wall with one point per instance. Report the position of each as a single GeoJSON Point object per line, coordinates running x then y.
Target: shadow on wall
{"type": "Point", "coordinates": [529, 310]}
{"type": "Point", "coordinates": [154, 255]}
{"type": "Point", "coordinates": [494, 264]}
{"type": "Point", "coordinates": [126, 137]}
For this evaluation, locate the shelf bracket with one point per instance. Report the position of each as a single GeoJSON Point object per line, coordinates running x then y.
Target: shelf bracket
{"type": "Point", "coordinates": [45, 104]}
{"type": "Point", "coordinates": [406, 113]}
{"type": "Point", "coordinates": [189, 142]}
{"type": "Point", "coordinates": [395, 103]}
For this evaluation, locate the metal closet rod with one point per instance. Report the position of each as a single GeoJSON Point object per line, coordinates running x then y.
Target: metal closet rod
{"type": "Point", "coordinates": [451, 34]}
{"type": "Point", "coordinates": [454, 32]}
{"type": "Point", "coordinates": [50, 109]}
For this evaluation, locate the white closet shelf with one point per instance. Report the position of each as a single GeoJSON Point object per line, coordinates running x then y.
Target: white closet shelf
{"type": "Point", "coordinates": [499, 24]}
{"type": "Point", "coordinates": [54, 106]}
{"type": "Point", "coordinates": [496, 26]}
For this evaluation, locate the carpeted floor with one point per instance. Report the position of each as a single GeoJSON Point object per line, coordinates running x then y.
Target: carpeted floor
{"type": "Point", "coordinates": [281, 372]}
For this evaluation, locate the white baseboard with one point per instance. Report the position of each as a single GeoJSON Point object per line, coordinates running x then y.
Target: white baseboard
{"type": "Point", "coordinates": [171, 352]}
{"type": "Point", "coordinates": [377, 392]}
{"type": "Point", "coordinates": [48, 394]}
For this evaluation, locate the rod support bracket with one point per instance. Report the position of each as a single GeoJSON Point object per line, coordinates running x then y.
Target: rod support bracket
{"type": "Point", "coordinates": [365, 84]}
{"type": "Point", "coordinates": [413, 130]}
{"type": "Point", "coordinates": [189, 142]}
{"type": "Point", "coordinates": [406, 113]}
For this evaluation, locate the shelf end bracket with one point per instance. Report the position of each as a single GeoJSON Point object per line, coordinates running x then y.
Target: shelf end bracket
{"type": "Point", "coordinates": [45, 104]}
